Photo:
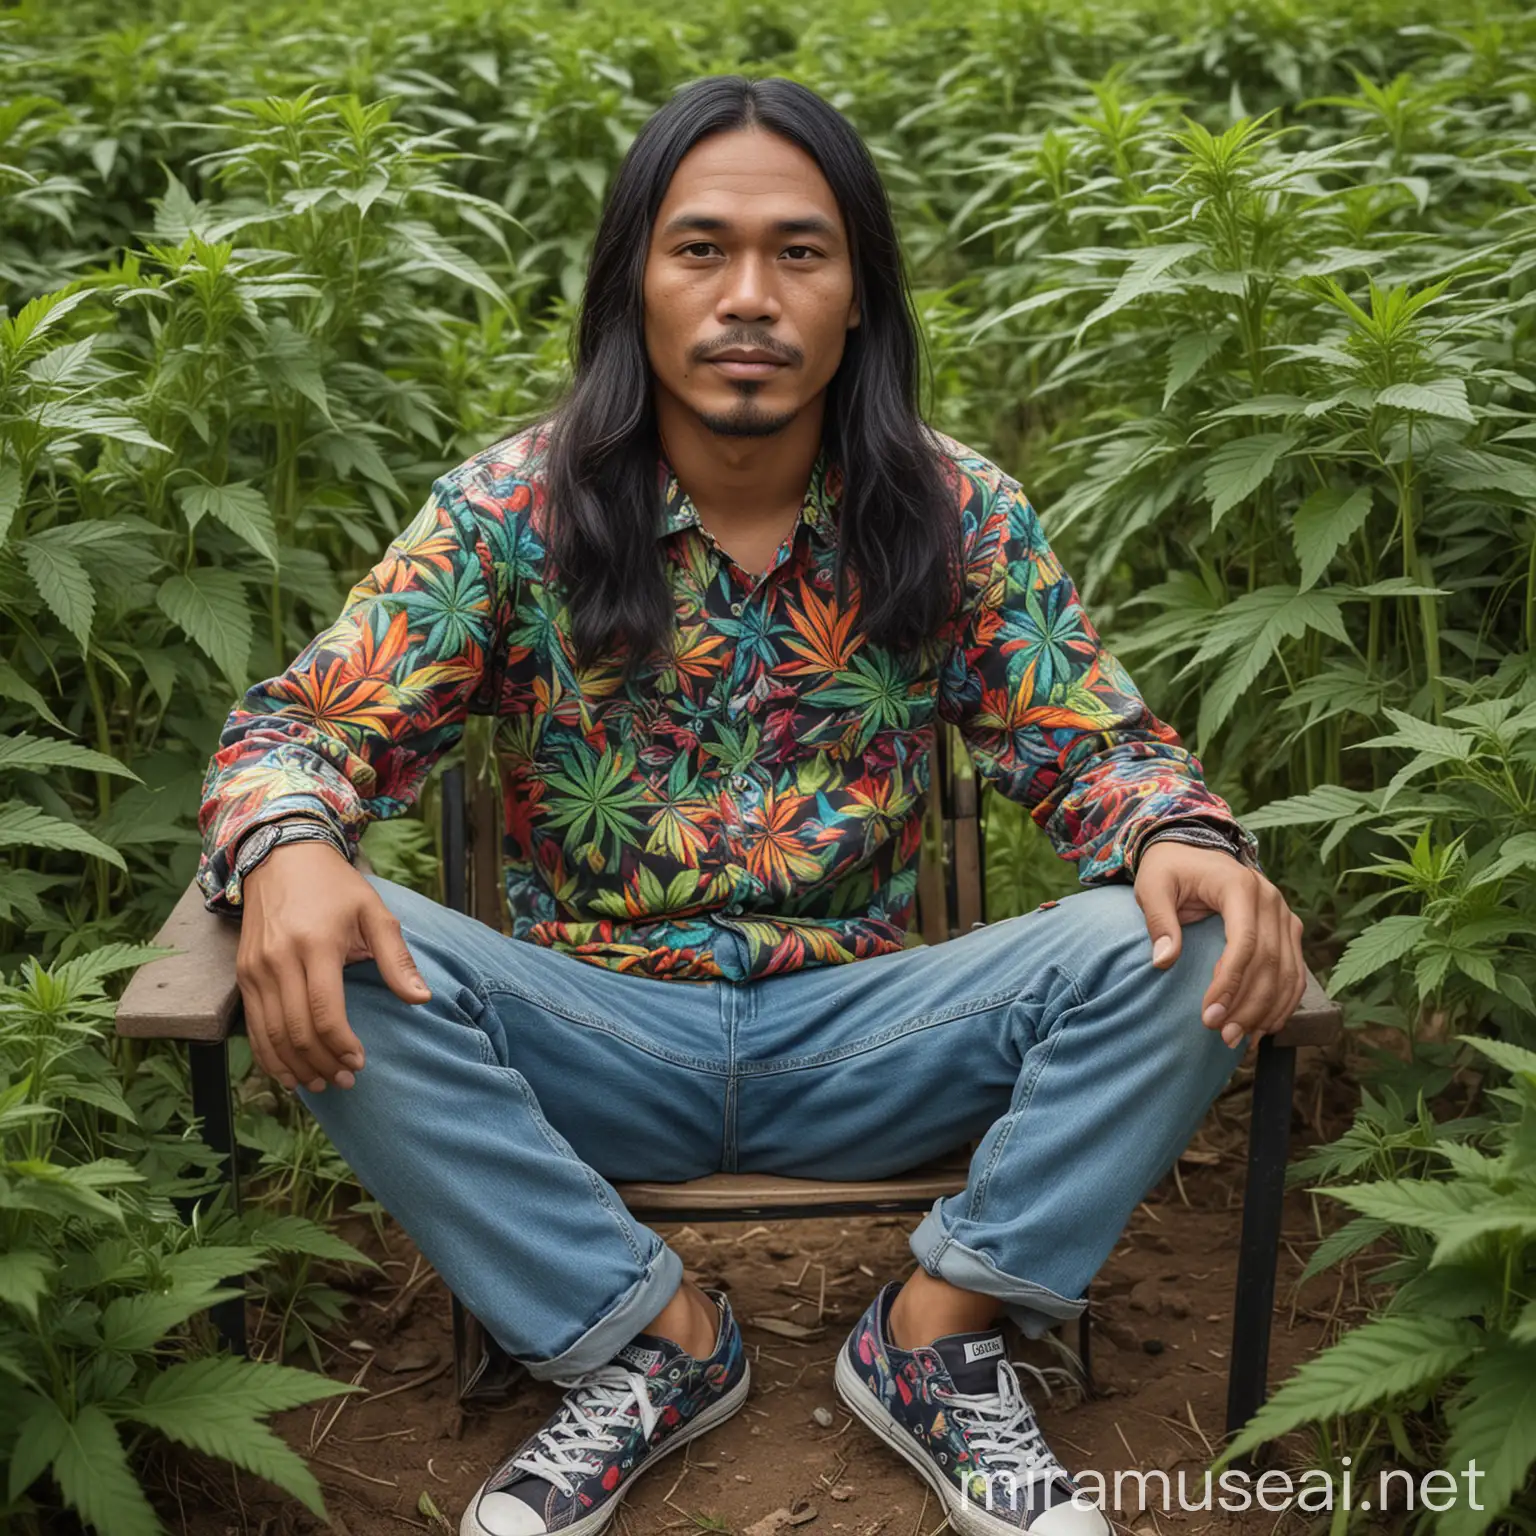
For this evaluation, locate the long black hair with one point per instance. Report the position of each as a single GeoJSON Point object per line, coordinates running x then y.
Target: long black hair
{"type": "Point", "coordinates": [898, 526]}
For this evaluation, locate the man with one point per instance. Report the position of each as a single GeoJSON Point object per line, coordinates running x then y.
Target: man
{"type": "Point", "coordinates": [717, 603]}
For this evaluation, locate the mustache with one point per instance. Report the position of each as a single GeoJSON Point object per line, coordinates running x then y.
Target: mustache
{"type": "Point", "coordinates": [769, 344]}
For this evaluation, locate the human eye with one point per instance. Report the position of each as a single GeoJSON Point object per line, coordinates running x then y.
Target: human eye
{"type": "Point", "coordinates": [698, 247]}
{"type": "Point", "coordinates": [810, 250]}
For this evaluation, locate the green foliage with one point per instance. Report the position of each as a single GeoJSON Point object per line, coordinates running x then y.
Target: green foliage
{"type": "Point", "coordinates": [100, 1280]}
{"type": "Point", "coordinates": [1243, 295]}
{"type": "Point", "coordinates": [1246, 318]}
{"type": "Point", "coordinates": [1450, 1364]}
{"type": "Point", "coordinates": [1462, 810]}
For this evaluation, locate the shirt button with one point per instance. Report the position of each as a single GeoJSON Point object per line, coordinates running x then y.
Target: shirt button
{"type": "Point", "coordinates": [740, 781]}
{"type": "Point", "coordinates": [733, 907]}
{"type": "Point", "coordinates": [736, 608]}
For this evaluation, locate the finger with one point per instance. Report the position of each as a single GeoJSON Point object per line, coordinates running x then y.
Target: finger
{"type": "Point", "coordinates": [1285, 976]}
{"type": "Point", "coordinates": [1256, 1001]}
{"type": "Point", "coordinates": [292, 1071]}
{"type": "Point", "coordinates": [1252, 1009]}
{"type": "Point", "coordinates": [316, 1064]}
{"type": "Point", "coordinates": [256, 1033]}
{"type": "Point", "coordinates": [1294, 929]}
{"type": "Point", "coordinates": [261, 1045]}
{"type": "Point", "coordinates": [250, 1005]}
{"type": "Point", "coordinates": [328, 1010]}
{"type": "Point", "coordinates": [1157, 896]}
{"type": "Point", "coordinates": [1238, 905]}
{"type": "Point", "coordinates": [392, 955]}
{"type": "Point", "coordinates": [1287, 983]}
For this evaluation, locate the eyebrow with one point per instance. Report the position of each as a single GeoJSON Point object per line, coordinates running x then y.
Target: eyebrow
{"type": "Point", "coordinates": [812, 225]}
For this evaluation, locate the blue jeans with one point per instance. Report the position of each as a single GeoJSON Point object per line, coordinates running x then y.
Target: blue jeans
{"type": "Point", "coordinates": [490, 1121]}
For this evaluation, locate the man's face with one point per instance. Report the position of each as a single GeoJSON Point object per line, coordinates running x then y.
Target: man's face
{"type": "Point", "coordinates": [748, 255]}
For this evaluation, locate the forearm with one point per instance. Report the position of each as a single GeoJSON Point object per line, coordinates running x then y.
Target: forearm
{"type": "Point", "coordinates": [1119, 790]}
{"type": "Point", "coordinates": [348, 733]}
{"type": "Point", "coordinates": [1052, 717]}
{"type": "Point", "coordinates": [262, 775]}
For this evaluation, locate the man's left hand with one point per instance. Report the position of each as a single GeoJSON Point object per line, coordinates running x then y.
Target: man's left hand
{"type": "Point", "coordinates": [1260, 976]}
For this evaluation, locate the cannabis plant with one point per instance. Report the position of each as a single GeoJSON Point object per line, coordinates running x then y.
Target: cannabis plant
{"type": "Point", "coordinates": [1444, 1377]}
{"type": "Point", "coordinates": [101, 1282]}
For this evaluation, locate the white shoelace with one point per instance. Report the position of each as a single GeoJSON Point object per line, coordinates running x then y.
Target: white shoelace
{"type": "Point", "coordinates": [1002, 1427]}
{"type": "Point", "coordinates": [597, 1403]}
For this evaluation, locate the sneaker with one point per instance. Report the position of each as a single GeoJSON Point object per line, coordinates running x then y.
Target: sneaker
{"type": "Point", "coordinates": [614, 1423]}
{"type": "Point", "coordinates": [954, 1409]}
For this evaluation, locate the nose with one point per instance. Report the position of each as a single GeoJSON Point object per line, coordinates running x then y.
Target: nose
{"type": "Point", "coordinates": [747, 297]}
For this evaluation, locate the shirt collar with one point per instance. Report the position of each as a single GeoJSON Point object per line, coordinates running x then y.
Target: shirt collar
{"type": "Point", "coordinates": [818, 512]}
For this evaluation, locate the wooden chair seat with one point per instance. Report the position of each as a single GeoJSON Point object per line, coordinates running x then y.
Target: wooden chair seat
{"type": "Point", "coordinates": [775, 1197]}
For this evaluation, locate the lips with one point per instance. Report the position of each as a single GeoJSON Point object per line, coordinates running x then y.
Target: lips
{"type": "Point", "coordinates": [746, 364]}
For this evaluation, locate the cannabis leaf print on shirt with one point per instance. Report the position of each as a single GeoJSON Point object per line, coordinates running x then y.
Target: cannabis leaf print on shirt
{"type": "Point", "coordinates": [767, 780]}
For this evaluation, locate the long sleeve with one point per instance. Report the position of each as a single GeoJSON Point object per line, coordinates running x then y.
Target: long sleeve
{"type": "Point", "coordinates": [1052, 718]}
{"type": "Point", "coordinates": [350, 730]}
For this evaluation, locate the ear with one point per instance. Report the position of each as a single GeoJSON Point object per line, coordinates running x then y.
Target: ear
{"type": "Point", "coordinates": [853, 315]}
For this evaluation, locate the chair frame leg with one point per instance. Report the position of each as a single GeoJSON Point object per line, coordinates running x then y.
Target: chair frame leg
{"type": "Point", "coordinates": [213, 1104]}
{"type": "Point", "coordinates": [1085, 1348]}
{"type": "Point", "coordinates": [455, 849]}
{"type": "Point", "coordinates": [482, 1370]}
{"type": "Point", "coordinates": [1259, 1245]}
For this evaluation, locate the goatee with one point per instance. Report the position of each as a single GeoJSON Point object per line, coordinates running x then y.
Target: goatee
{"type": "Point", "coordinates": [746, 420]}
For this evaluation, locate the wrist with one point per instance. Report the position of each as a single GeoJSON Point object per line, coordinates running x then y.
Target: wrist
{"type": "Point", "coordinates": [288, 819]}
{"type": "Point", "coordinates": [1217, 836]}
{"type": "Point", "coordinates": [258, 846]}
{"type": "Point", "coordinates": [287, 859]}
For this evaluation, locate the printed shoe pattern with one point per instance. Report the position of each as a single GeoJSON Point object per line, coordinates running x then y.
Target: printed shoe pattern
{"type": "Point", "coordinates": [954, 1410]}
{"type": "Point", "coordinates": [613, 1423]}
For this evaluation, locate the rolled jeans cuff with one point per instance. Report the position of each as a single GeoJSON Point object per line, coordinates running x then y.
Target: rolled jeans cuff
{"type": "Point", "coordinates": [1035, 1308]}
{"type": "Point", "coordinates": [610, 1333]}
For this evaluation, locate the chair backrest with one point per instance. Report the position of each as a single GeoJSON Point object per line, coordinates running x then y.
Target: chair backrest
{"type": "Point", "coordinates": [950, 875]}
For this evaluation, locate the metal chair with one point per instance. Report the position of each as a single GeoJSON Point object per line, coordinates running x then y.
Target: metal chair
{"type": "Point", "coordinates": [192, 996]}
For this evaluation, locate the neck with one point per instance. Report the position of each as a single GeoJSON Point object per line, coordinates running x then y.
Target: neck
{"type": "Point", "coordinates": [740, 483]}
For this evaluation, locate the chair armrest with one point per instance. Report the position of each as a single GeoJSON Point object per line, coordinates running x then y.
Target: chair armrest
{"type": "Point", "coordinates": [191, 995]}
{"type": "Point", "coordinates": [1317, 1019]}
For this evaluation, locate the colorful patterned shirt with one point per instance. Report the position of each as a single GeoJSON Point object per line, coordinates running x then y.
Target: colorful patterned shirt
{"type": "Point", "coordinates": [768, 782]}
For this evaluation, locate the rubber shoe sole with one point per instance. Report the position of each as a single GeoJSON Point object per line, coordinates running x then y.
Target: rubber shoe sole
{"type": "Point", "coordinates": [964, 1516]}
{"type": "Point", "coordinates": [713, 1416]}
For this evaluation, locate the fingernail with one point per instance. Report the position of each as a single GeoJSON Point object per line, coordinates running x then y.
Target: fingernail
{"type": "Point", "coordinates": [344, 1080]}
{"type": "Point", "coordinates": [1162, 949]}
{"type": "Point", "coordinates": [290, 1083]}
{"type": "Point", "coordinates": [352, 1059]}
{"type": "Point", "coordinates": [1232, 1033]}
{"type": "Point", "coordinates": [1214, 1015]}
{"type": "Point", "coordinates": [317, 1085]}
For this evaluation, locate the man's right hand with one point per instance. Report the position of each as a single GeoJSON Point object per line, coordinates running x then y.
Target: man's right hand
{"type": "Point", "coordinates": [308, 913]}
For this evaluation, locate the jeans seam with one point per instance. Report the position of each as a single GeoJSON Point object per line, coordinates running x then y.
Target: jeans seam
{"type": "Point", "coordinates": [978, 1195]}
{"type": "Point", "coordinates": [874, 1042]}
{"type": "Point", "coordinates": [547, 1131]}
{"type": "Point", "coordinates": [500, 985]}
{"type": "Point", "coordinates": [488, 1057]}
{"type": "Point", "coordinates": [728, 1151]}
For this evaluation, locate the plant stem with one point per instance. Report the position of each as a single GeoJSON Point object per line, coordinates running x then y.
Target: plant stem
{"type": "Point", "coordinates": [1530, 598]}
{"type": "Point", "coordinates": [102, 875]}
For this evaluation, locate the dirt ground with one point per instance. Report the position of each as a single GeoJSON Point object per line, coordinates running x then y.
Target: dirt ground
{"type": "Point", "coordinates": [407, 1455]}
